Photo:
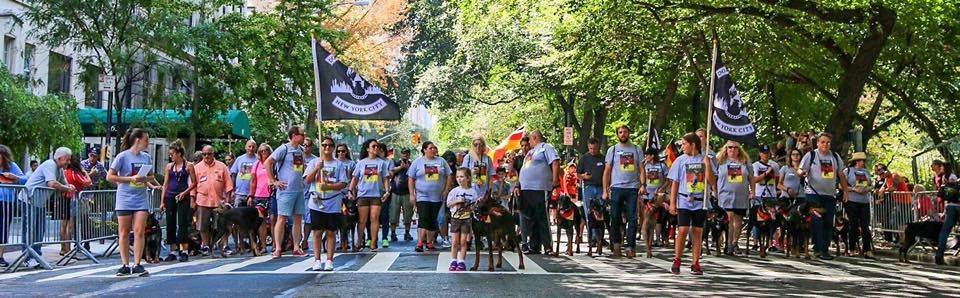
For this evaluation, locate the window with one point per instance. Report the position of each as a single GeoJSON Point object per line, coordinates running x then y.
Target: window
{"type": "Point", "coordinates": [28, 52]}
{"type": "Point", "coordinates": [8, 52]}
{"type": "Point", "coordinates": [58, 78]}
{"type": "Point", "coordinates": [90, 77]}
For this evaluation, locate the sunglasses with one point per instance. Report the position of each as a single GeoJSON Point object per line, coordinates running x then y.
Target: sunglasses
{"type": "Point", "coordinates": [207, 154]}
{"type": "Point", "coordinates": [732, 147]}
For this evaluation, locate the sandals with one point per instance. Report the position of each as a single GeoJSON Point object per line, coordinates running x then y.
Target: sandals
{"type": "Point", "coordinates": [299, 253]}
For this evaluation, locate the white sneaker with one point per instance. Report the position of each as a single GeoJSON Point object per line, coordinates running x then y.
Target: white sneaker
{"type": "Point", "coordinates": [328, 265]}
{"type": "Point", "coordinates": [445, 244]}
{"type": "Point", "coordinates": [317, 265]}
{"type": "Point", "coordinates": [31, 263]}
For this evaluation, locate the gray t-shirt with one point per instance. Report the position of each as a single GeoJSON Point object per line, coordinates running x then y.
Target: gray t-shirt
{"type": "Point", "coordinates": [821, 172]}
{"type": "Point", "coordinates": [242, 170]}
{"type": "Point", "coordinates": [733, 184]}
{"type": "Point", "coordinates": [482, 172]}
{"type": "Point", "coordinates": [856, 179]}
{"type": "Point", "coordinates": [792, 181]}
{"type": "Point", "coordinates": [370, 174]}
{"type": "Point", "coordinates": [656, 176]}
{"type": "Point", "coordinates": [690, 173]}
{"type": "Point", "coordinates": [293, 166]}
{"type": "Point", "coordinates": [430, 177]}
{"type": "Point", "coordinates": [625, 162]}
{"type": "Point", "coordinates": [133, 195]}
{"type": "Point", "coordinates": [537, 170]}
{"type": "Point", "coordinates": [327, 201]}
{"type": "Point", "coordinates": [767, 188]}
{"type": "Point", "coordinates": [46, 172]}
{"type": "Point", "coordinates": [388, 165]}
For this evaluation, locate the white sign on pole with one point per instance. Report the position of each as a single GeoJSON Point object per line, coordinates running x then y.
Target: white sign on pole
{"type": "Point", "coordinates": [106, 83]}
{"type": "Point", "coordinates": [568, 136]}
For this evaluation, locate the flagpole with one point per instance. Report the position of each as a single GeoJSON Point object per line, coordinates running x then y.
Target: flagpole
{"type": "Point", "coordinates": [649, 129]}
{"type": "Point", "coordinates": [713, 76]}
{"type": "Point", "coordinates": [316, 84]}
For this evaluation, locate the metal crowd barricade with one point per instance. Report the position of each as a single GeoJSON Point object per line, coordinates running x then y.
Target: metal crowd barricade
{"type": "Point", "coordinates": [95, 221]}
{"type": "Point", "coordinates": [154, 197]}
{"type": "Point", "coordinates": [13, 231]}
{"type": "Point", "coordinates": [893, 211]}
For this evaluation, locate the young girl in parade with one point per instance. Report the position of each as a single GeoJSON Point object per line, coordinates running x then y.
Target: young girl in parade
{"type": "Point", "coordinates": [460, 201]}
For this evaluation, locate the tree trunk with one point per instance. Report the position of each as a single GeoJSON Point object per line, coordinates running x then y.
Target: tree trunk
{"type": "Point", "coordinates": [662, 116]}
{"type": "Point", "coordinates": [585, 128]}
{"type": "Point", "coordinates": [855, 77]}
{"type": "Point", "coordinates": [695, 106]}
{"type": "Point", "coordinates": [600, 124]}
{"type": "Point", "coordinates": [774, 110]}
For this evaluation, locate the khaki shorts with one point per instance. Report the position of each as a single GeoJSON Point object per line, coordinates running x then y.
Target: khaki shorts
{"type": "Point", "coordinates": [460, 226]}
{"type": "Point", "coordinates": [367, 202]}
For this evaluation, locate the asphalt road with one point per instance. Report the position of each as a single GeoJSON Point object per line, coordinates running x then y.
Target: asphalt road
{"type": "Point", "coordinates": [399, 271]}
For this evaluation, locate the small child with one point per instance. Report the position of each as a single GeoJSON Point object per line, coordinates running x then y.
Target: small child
{"type": "Point", "coordinates": [460, 201]}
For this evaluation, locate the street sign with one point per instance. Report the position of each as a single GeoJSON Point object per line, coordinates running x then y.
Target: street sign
{"type": "Point", "coordinates": [106, 83]}
{"type": "Point", "coordinates": [568, 136]}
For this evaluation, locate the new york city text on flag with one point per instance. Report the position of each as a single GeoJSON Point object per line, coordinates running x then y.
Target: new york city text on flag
{"type": "Point", "coordinates": [511, 142]}
{"type": "Point", "coordinates": [730, 118]}
{"type": "Point", "coordinates": [344, 94]}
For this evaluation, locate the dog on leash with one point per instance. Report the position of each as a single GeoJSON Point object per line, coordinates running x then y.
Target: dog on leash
{"type": "Point", "coordinates": [841, 235]}
{"type": "Point", "coordinates": [569, 218]}
{"type": "Point", "coordinates": [798, 228]}
{"type": "Point", "coordinates": [348, 231]}
{"type": "Point", "coordinates": [151, 248]}
{"type": "Point", "coordinates": [495, 223]}
{"type": "Point", "coordinates": [240, 222]}
{"type": "Point", "coordinates": [919, 232]}
{"type": "Point", "coordinates": [716, 229]}
{"type": "Point", "coordinates": [598, 224]}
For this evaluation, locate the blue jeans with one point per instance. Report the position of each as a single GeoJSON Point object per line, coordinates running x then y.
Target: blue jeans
{"type": "Point", "coordinates": [590, 193]}
{"type": "Point", "coordinates": [950, 219]}
{"type": "Point", "coordinates": [35, 218]}
{"type": "Point", "coordinates": [823, 226]}
{"type": "Point", "coordinates": [623, 200]}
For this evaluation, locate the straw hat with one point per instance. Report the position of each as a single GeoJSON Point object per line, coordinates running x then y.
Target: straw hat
{"type": "Point", "coordinates": [858, 156]}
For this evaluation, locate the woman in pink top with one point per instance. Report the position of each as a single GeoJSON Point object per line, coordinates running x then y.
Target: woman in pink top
{"type": "Point", "coordinates": [260, 193]}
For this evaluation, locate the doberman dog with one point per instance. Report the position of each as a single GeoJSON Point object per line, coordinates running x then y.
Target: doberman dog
{"type": "Point", "coordinates": [716, 229]}
{"type": "Point", "coordinates": [569, 218]}
{"type": "Point", "coordinates": [598, 225]}
{"type": "Point", "coordinates": [151, 248]}
{"type": "Point", "coordinates": [798, 228]}
{"type": "Point", "coordinates": [919, 232]}
{"type": "Point", "coordinates": [349, 228]}
{"type": "Point", "coordinates": [240, 222]}
{"type": "Point", "coordinates": [494, 222]}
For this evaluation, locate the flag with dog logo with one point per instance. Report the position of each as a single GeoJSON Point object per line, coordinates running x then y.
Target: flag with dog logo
{"type": "Point", "coordinates": [343, 94]}
{"type": "Point", "coordinates": [730, 118]}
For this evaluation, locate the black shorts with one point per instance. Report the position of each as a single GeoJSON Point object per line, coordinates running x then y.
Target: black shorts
{"type": "Point", "coordinates": [321, 221]}
{"type": "Point", "coordinates": [737, 211]}
{"type": "Point", "coordinates": [427, 213]}
{"type": "Point", "coordinates": [690, 218]}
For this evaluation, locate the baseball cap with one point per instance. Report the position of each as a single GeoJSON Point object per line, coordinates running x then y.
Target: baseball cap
{"type": "Point", "coordinates": [765, 148]}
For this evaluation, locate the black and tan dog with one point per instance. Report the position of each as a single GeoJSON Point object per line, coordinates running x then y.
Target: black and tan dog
{"type": "Point", "coordinates": [495, 223]}
{"type": "Point", "coordinates": [569, 219]}
{"type": "Point", "coordinates": [841, 235]}
{"type": "Point", "coordinates": [598, 225]}
{"type": "Point", "coordinates": [240, 222]}
{"type": "Point", "coordinates": [799, 222]}
{"type": "Point", "coordinates": [151, 247]}
{"type": "Point", "coordinates": [926, 232]}
{"type": "Point", "coordinates": [348, 230]}
{"type": "Point", "coordinates": [716, 230]}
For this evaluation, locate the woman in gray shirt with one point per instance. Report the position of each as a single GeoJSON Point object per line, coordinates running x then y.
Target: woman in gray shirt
{"type": "Point", "coordinates": [370, 187]}
{"type": "Point", "coordinates": [857, 199]}
{"type": "Point", "coordinates": [734, 189]}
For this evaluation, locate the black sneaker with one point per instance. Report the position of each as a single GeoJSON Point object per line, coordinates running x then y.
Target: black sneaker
{"type": "Point", "coordinates": [123, 271]}
{"type": "Point", "coordinates": [183, 257]}
{"type": "Point", "coordinates": [939, 260]}
{"type": "Point", "coordinates": [170, 258]}
{"type": "Point", "coordinates": [407, 237]}
{"type": "Point", "coordinates": [393, 238]}
{"type": "Point", "coordinates": [139, 271]}
{"type": "Point", "coordinates": [825, 257]}
{"type": "Point", "coordinates": [3, 263]}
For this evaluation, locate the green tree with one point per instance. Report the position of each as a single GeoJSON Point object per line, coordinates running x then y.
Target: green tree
{"type": "Point", "coordinates": [38, 123]}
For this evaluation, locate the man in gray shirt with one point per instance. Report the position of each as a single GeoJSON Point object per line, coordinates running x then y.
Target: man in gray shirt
{"type": "Point", "coordinates": [49, 174]}
{"type": "Point", "coordinates": [539, 175]}
{"type": "Point", "coordinates": [289, 163]}
{"type": "Point", "coordinates": [621, 187]}
{"type": "Point", "coordinates": [819, 167]}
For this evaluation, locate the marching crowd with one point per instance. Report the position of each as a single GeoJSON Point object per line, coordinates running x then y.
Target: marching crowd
{"type": "Point", "coordinates": [300, 194]}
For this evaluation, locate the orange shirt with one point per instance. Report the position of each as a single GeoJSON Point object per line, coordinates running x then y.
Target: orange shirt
{"type": "Point", "coordinates": [213, 183]}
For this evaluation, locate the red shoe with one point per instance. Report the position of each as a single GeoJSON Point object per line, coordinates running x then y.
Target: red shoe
{"type": "Point", "coordinates": [676, 267]}
{"type": "Point", "coordinates": [419, 247]}
{"type": "Point", "coordinates": [430, 246]}
{"type": "Point", "coordinates": [695, 269]}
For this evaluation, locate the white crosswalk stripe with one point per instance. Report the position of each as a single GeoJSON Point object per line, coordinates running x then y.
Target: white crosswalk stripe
{"type": "Point", "coordinates": [381, 262]}
{"type": "Point", "coordinates": [234, 266]}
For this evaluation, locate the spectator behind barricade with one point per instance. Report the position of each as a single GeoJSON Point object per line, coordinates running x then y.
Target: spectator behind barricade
{"type": "Point", "coordinates": [93, 167]}
{"type": "Point", "coordinates": [33, 167]}
{"type": "Point", "coordinates": [48, 174]}
{"type": "Point", "coordinates": [79, 179]}
{"type": "Point", "coordinates": [925, 210]}
{"type": "Point", "coordinates": [10, 173]}
{"type": "Point", "coordinates": [942, 174]}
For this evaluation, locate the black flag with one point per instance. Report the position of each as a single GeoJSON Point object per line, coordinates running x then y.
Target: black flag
{"type": "Point", "coordinates": [653, 137]}
{"type": "Point", "coordinates": [730, 118]}
{"type": "Point", "coordinates": [344, 94]}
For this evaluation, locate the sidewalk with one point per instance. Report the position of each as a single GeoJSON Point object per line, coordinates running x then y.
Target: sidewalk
{"type": "Point", "coordinates": [51, 253]}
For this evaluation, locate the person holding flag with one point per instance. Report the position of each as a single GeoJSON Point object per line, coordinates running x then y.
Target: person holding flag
{"type": "Point", "coordinates": [733, 190]}
{"type": "Point", "coordinates": [690, 175]}
{"type": "Point", "coordinates": [621, 187]}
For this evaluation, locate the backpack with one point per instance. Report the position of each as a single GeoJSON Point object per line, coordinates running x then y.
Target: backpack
{"type": "Point", "coordinates": [950, 192]}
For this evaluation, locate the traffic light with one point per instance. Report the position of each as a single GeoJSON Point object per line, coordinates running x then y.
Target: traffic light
{"type": "Point", "coordinates": [416, 138]}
